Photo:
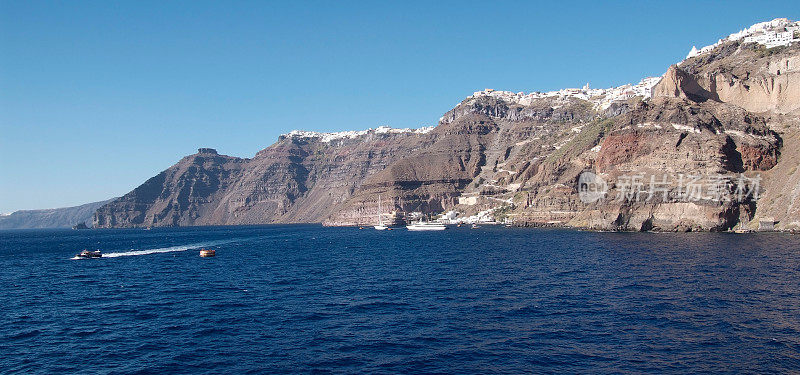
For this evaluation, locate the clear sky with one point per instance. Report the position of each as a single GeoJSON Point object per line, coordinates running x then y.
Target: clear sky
{"type": "Point", "coordinates": [96, 97]}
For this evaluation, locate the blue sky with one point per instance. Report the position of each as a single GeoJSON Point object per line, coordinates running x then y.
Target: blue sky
{"type": "Point", "coordinates": [96, 97]}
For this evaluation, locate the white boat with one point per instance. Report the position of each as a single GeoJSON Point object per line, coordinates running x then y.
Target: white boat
{"type": "Point", "coordinates": [89, 254]}
{"type": "Point", "coordinates": [380, 225]}
{"type": "Point", "coordinates": [423, 225]}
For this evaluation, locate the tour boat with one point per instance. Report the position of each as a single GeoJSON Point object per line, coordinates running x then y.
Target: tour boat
{"type": "Point", "coordinates": [380, 225]}
{"type": "Point", "coordinates": [423, 225]}
{"type": "Point", "coordinates": [205, 253]}
{"type": "Point", "coordinates": [90, 254]}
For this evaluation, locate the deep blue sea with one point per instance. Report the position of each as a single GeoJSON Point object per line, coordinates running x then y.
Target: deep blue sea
{"type": "Point", "coordinates": [301, 299]}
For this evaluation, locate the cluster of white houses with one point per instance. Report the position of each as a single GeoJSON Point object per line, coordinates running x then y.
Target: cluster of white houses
{"type": "Point", "coordinates": [328, 137]}
{"type": "Point", "coordinates": [778, 32]}
{"type": "Point", "coordinates": [601, 98]}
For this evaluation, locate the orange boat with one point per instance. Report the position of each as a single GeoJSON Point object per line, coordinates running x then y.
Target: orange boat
{"type": "Point", "coordinates": [205, 253]}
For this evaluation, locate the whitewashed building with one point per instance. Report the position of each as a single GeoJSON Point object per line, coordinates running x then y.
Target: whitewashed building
{"type": "Point", "coordinates": [778, 32]}
{"type": "Point", "coordinates": [772, 39]}
{"type": "Point", "coordinates": [601, 98]}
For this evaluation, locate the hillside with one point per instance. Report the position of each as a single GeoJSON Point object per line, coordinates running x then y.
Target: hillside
{"type": "Point", "coordinates": [51, 218]}
{"type": "Point", "coordinates": [710, 145]}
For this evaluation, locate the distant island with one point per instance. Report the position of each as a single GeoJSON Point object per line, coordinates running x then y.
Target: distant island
{"type": "Point", "coordinates": [711, 145]}
{"type": "Point", "coordinates": [51, 218]}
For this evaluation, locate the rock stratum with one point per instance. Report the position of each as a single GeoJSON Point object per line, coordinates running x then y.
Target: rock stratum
{"type": "Point", "coordinates": [717, 138]}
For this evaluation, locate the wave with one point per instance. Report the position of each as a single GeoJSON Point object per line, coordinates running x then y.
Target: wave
{"type": "Point", "coordinates": [162, 249]}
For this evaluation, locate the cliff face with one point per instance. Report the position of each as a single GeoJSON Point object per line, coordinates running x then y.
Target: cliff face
{"type": "Point", "coordinates": [668, 142]}
{"type": "Point", "coordinates": [184, 194]}
{"type": "Point", "coordinates": [51, 218]}
{"type": "Point", "coordinates": [480, 147]}
{"type": "Point", "coordinates": [298, 179]}
{"type": "Point", "coordinates": [724, 124]}
{"type": "Point", "coordinates": [747, 75]}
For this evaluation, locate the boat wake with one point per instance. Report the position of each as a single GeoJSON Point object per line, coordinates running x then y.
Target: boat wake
{"type": "Point", "coordinates": [163, 249]}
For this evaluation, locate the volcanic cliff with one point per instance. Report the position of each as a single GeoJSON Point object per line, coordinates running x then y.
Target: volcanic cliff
{"type": "Point", "coordinates": [729, 114]}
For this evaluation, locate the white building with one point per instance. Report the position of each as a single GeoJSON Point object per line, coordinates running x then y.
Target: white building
{"type": "Point", "coordinates": [601, 98]}
{"type": "Point", "coordinates": [772, 39]}
{"type": "Point", "coordinates": [468, 201]}
{"type": "Point", "coordinates": [778, 32]}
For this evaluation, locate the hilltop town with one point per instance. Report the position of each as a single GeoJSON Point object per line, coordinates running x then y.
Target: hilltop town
{"type": "Point", "coordinates": [352, 134]}
{"type": "Point", "coordinates": [776, 33]}
{"type": "Point", "coordinates": [601, 98]}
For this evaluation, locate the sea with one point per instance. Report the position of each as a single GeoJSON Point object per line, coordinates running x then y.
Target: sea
{"type": "Point", "coordinates": [311, 299]}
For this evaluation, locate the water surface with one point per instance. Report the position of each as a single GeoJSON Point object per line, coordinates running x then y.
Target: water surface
{"type": "Point", "coordinates": [308, 298]}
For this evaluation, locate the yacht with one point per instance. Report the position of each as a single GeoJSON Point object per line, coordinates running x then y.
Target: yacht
{"type": "Point", "coordinates": [380, 225]}
{"type": "Point", "coordinates": [425, 225]}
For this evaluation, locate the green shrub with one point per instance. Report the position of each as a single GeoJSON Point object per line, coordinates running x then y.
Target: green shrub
{"type": "Point", "coordinates": [590, 136]}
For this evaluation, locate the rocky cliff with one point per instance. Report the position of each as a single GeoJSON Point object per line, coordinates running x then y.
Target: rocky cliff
{"type": "Point", "coordinates": [298, 179]}
{"type": "Point", "coordinates": [712, 146]}
{"type": "Point", "coordinates": [64, 217]}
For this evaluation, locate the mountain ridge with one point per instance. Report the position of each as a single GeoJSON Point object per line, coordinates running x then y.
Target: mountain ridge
{"type": "Point", "coordinates": [726, 110]}
{"type": "Point", "coordinates": [63, 217]}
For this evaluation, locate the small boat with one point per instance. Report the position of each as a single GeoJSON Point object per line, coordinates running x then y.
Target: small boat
{"type": "Point", "coordinates": [380, 225]}
{"type": "Point", "coordinates": [424, 225]}
{"type": "Point", "coordinates": [475, 226]}
{"type": "Point", "coordinates": [89, 254]}
{"type": "Point", "coordinates": [205, 253]}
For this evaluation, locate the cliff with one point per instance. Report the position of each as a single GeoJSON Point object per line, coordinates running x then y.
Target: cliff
{"type": "Point", "coordinates": [298, 179]}
{"type": "Point", "coordinates": [717, 135]}
{"type": "Point", "coordinates": [51, 218]}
